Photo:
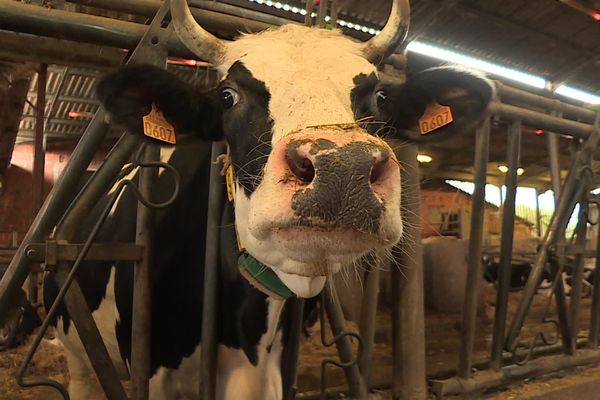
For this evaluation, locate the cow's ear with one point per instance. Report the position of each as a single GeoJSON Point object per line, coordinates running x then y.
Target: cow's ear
{"type": "Point", "coordinates": [413, 108]}
{"type": "Point", "coordinates": [128, 94]}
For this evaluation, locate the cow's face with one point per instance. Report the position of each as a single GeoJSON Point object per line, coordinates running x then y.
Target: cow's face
{"type": "Point", "coordinates": [314, 189]}
{"type": "Point", "coordinates": [300, 108]}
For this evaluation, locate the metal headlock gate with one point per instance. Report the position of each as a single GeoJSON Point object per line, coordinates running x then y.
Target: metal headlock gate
{"type": "Point", "coordinates": [62, 256]}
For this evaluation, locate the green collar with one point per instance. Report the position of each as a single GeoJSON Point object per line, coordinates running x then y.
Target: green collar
{"type": "Point", "coordinates": [262, 277]}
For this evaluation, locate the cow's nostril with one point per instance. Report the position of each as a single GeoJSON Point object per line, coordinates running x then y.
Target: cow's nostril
{"type": "Point", "coordinates": [379, 166]}
{"type": "Point", "coordinates": [300, 166]}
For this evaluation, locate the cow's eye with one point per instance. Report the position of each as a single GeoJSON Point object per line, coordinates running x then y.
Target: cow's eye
{"type": "Point", "coordinates": [229, 97]}
{"type": "Point", "coordinates": [380, 97]}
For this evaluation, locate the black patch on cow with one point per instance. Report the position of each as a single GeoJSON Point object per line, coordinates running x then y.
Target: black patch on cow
{"type": "Point", "coordinates": [247, 125]}
{"type": "Point", "coordinates": [342, 190]}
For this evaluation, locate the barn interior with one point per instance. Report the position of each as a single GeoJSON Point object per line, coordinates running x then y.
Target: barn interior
{"type": "Point", "coordinates": [52, 52]}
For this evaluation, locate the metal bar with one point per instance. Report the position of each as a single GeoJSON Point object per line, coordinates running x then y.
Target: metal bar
{"type": "Point", "coordinates": [309, 10]}
{"type": "Point", "coordinates": [577, 277]}
{"type": "Point", "coordinates": [595, 317]}
{"type": "Point", "coordinates": [572, 190]}
{"type": "Point", "coordinates": [506, 245]}
{"type": "Point", "coordinates": [335, 315]}
{"type": "Point", "coordinates": [142, 293]}
{"type": "Point", "coordinates": [39, 162]}
{"type": "Point", "coordinates": [538, 214]}
{"type": "Point", "coordinates": [554, 156]}
{"type": "Point", "coordinates": [27, 18]}
{"type": "Point", "coordinates": [513, 95]}
{"type": "Point", "coordinates": [367, 323]}
{"type": "Point", "coordinates": [289, 358]}
{"type": "Point", "coordinates": [408, 309]}
{"type": "Point", "coordinates": [510, 113]}
{"type": "Point", "coordinates": [475, 242]}
{"type": "Point", "coordinates": [209, 307]}
{"type": "Point", "coordinates": [489, 379]}
{"type": "Point", "coordinates": [81, 316]}
{"type": "Point", "coordinates": [63, 191]}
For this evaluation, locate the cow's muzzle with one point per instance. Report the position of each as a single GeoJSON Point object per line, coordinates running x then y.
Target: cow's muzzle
{"type": "Point", "coordinates": [340, 180]}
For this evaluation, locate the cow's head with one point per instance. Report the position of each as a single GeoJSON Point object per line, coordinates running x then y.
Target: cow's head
{"type": "Point", "coordinates": [300, 108]}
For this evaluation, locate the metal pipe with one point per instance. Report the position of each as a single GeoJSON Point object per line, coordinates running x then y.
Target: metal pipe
{"type": "Point", "coordinates": [538, 214]}
{"type": "Point", "coordinates": [543, 121]}
{"type": "Point", "coordinates": [39, 162]}
{"type": "Point", "coordinates": [488, 379]}
{"type": "Point", "coordinates": [335, 316]}
{"type": "Point", "coordinates": [63, 191]}
{"type": "Point", "coordinates": [142, 289]}
{"type": "Point", "coordinates": [27, 18]}
{"type": "Point", "coordinates": [554, 156]}
{"type": "Point", "coordinates": [81, 316]}
{"type": "Point", "coordinates": [289, 358]}
{"type": "Point", "coordinates": [595, 317]}
{"type": "Point", "coordinates": [572, 190]}
{"type": "Point", "coordinates": [577, 277]}
{"type": "Point", "coordinates": [408, 309]}
{"type": "Point", "coordinates": [482, 144]}
{"type": "Point", "coordinates": [367, 323]}
{"type": "Point", "coordinates": [506, 245]}
{"type": "Point", "coordinates": [513, 95]}
{"type": "Point", "coordinates": [211, 278]}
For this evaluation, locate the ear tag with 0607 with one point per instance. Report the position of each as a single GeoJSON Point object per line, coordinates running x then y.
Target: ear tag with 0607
{"type": "Point", "coordinates": [435, 117]}
{"type": "Point", "coordinates": [157, 127]}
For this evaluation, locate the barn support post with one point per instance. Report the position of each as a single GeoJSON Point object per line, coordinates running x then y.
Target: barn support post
{"type": "Point", "coordinates": [289, 358]}
{"type": "Point", "coordinates": [56, 203]}
{"type": "Point", "coordinates": [506, 244]}
{"type": "Point", "coordinates": [208, 383]}
{"type": "Point", "coordinates": [367, 323]}
{"type": "Point", "coordinates": [577, 277]}
{"type": "Point", "coordinates": [595, 317]}
{"type": "Point", "coordinates": [39, 161]}
{"type": "Point", "coordinates": [141, 324]}
{"type": "Point", "coordinates": [572, 190]}
{"type": "Point", "coordinates": [335, 315]}
{"type": "Point", "coordinates": [408, 307]}
{"type": "Point", "coordinates": [482, 144]}
{"type": "Point", "coordinates": [538, 214]}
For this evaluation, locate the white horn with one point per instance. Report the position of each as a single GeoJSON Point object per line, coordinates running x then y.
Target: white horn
{"type": "Point", "coordinates": [195, 38]}
{"type": "Point", "coordinates": [392, 35]}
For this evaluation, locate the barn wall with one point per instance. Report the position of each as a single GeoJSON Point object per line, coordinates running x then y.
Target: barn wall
{"type": "Point", "coordinates": [15, 193]}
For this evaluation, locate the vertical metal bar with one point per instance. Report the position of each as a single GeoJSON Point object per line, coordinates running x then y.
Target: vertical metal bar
{"type": "Point", "coordinates": [209, 307]}
{"type": "Point", "coordinates": [538, 214]}
{"type": "Point", "coordinates": [321, 12]}
{"type": "Point", "coordinates": [289, 359]}
{"type": "Point", "coordinates": [554, 164]}
{"type": "Point", "coordinates": [506, 244]}
{"type": "Point", "coordinates": [39, 158]}
{"type": "Point", "coordinates": [367, 323]}
{"type": "Point", "coordinates": [142, 291]}
{"type": "Point", "coordinates": [577, 278]}
{"type": "Point", "coordinates": [309, 10]}
{"type": "Point", "coordinates": [408, 310]}
{"type": "Point", "coordinates": [87, 330]}
{"type": "Point", "coordinates": [475, 242]}
{"type": "Point", "coordinates": [595, 318]}
{"type": "Point", "coordinates": [336, 320]}
{"type": "Point", "coordinates": [63, 191]}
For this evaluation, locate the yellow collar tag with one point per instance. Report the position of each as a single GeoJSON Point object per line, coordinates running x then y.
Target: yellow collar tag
{"type": "Point", "coordinates": [230, 183]}
{"type": "Point", "coordinates": [434, 117]}
{"type": "Point", "coordinates": [157, 127]}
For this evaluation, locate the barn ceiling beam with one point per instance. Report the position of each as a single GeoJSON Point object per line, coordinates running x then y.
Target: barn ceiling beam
{"type": "Point", "coordinates": [35, 20]}
{"type": "Point", "coordinates": [57, 51]}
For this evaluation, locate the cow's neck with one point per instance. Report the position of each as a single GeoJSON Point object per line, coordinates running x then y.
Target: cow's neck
{"type": "Point", "coordinates": [303, 286]}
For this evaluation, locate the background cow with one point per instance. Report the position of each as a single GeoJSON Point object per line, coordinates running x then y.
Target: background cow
{"type": "Point", "coordinates": [302, 111]}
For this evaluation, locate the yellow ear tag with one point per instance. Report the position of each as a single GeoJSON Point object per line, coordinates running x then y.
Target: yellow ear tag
{"type": "Point", "coordinates": [230, 183]}
{"type": "Point", "coordinates": [157, 127]}
{"type": "Point", "coordinates": [435, 117]}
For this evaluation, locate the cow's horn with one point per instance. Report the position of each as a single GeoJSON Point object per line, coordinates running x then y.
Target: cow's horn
{"type": "Point", "coordinates": [195, 38]}
{"type": "Point", "coordinates": [392, 35]}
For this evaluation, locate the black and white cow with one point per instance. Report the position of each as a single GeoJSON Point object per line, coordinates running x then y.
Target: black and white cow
{"type": "Point", "coordinates": [316, 190]}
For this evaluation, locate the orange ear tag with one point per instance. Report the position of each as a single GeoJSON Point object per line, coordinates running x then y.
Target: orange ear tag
{"type": "Point", "coordinates": [157, 127]}
{"type": "Point", "coordinates": [230, 183]}
{"type": "Point", "coordinates": [435, 117]}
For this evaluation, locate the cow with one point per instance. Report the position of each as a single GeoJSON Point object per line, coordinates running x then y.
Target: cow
{"type": "Point", "coordinates": [315, 188]}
